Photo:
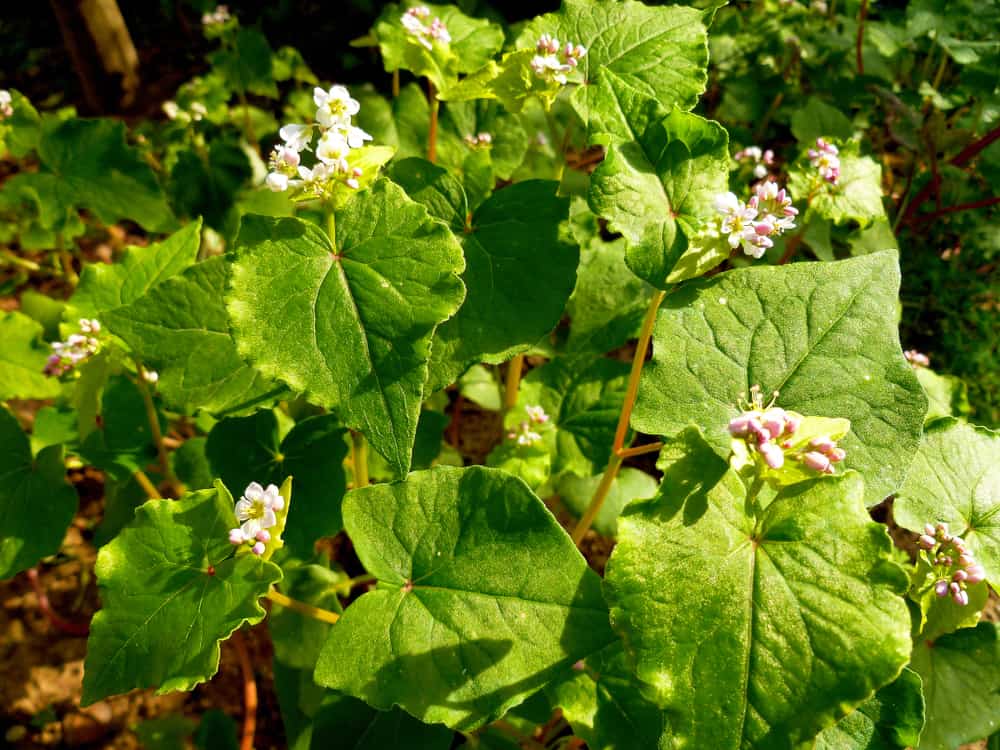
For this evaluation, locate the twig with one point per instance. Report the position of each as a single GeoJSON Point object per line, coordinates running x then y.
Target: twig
{"type": "Point", "coordinates": [862, 15]}
{"type": "Point", "coordinates": [16, 260]}
{"type": "Point", "coordinates": [985, 202]}
{"type": "Point", "coordinates": [640, 450]}
{"type": "Point", "coordinates": [70, 628]}
{"type": "Point", "coordinates": [316, 613]}
{"type": "Point", "coordinates": [249, 692]}
{"type": "Point", "coordinates": [148, 487]}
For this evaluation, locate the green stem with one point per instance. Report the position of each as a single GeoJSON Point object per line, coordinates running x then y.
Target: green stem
{"type": "Point", "coordinates": [66, 259]}
{"type": "Point", "coordinates": [597, 501]}
{"type": "Point", "coordinates": [331, 228]}
{"type": "Point", "coordinates": [513, 382]}
{"type": "Point", "coordinates": [154, 424]}
{"type": "Point", "coordinates": [432, 131]}
{"type": "Point", "coordinates": [359, 457]}
{"type": "Point", "coordinates": [316, 613]}
{"type": "Point", "coordinates": [15, 260]}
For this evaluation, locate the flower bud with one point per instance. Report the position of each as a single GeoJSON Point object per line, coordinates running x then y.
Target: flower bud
{"type": "Point", "coordinates": [941, 588]}
{"type": "Point", "coordinates": [961, 598]}
{"type": "Point", "coordinates": [837, 455]}
{"type": "Point", "coordinates": [927, 542]}
{"type": "Point", "coordinates": [258, 548]}
{"type": "Point", "coordinates": [959, 576]}
{"type": "Point", "coordinates": [929, 529]}
{"type": "Point", "coordinates": [773, 455]}
{"type": "Point", "coordinates": [263, 536]}
{"type": "Point", "coordinates": [817, 461]}
{"type": "Point", "coordinates": [975, 574]}
{"type": "Point", "coordinates": [236, 536]}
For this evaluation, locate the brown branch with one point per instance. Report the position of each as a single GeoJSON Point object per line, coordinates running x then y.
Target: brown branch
{"type": "Point", "coordinates": [985, 202]}
{"type": "Point", "coordinates": [70, 628]}
{"type": "Point", "coordinates": [249, 692]}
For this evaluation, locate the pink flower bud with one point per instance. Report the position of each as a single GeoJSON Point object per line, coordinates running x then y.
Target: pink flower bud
{"type": "Point", "coordinates": [927, 542]}
{"type": "Point", "coordinates": [837, 455]}
{"type": "Point", "coordinates": [961, 598]}
{"type": "Point", "coordinates": [942, 530]}
{"type": "Point", "coordinates": [941, 588]}
{"type": "Point", "coordinates": [959, 576]}
{"type": "Point", "coordinates": [929, 529]}
{"type": "Point", "coordinates": [263, 536]}
{"type": "Point", "coordinates": [774, 421]}
{"type": "Point", "coordinates": [740, 426]}
{"type": "Point", "coordinates": [975, 574]}
{"type": "Point", "coordinates": [817, 461]}
{"type": "Point", "coordinates": [773, 455]}
{"type": "Point", "coordinates": [236, 536]}
{"type": "Point", "coordinates": [966, 560]}
{"type": "Point", "coordinates": [792, 425]}
{"type": "Point", "coordinates": [823, 444]}
{"type": "Point", "coordinates": [954, 588]}
{"type": "Point", "coordinates": [258, 548]}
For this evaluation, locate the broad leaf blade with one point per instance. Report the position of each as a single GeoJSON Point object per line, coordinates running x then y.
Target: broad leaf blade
{"type": "Point", "coordinates": [889, 720]}
{"type": "Point", "coordinates": [482, 598]}
{"type": "Point", "coordinates": [822, 334]}
{"type": "Point", "coordinates": [171, 591]}
{"type": "Point", "coordinates": [738, 627]}
{"type": "Point", "coordinates": [363, 309]}
{"type": "Point", "coordinates": [22, 360]}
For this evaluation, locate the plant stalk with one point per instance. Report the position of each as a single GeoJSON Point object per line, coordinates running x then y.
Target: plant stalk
{"type": "Point", "coordinates": [316, 613]}
{"type": "Point", "coordinates": [512, 384]}
{"type": "Point", "coordinates": [15, 260]}
{"type": "Point", "coordinates": [331, 228]}
{"type": "Point", "coordinates": [249, 692]}
{"type": "Point", "coordinates": [597, 501]}
{"type": "Point", "coordinates": [395, 83]}
{"type": "Point", "coordinates": [154, 424]}
{"type": "Point", "coordinates": [148, 487]}
{"type": "Point", "coordinates": [432, 132]}
{"type": "Point", "coordinates": [359, 458]}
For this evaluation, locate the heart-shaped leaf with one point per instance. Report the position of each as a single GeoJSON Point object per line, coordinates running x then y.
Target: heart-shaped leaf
{"type": "Point", "coordinates": [889, 720]}
{"type": "Point", "coordinates": [821, 334]}
{"type": "Point", "coordinates": [737, 618]}
{"type": "Point", "coordinates": [171, 590]}
{"type": "Point", "coordinates": [362, 308]}
{"type": "Point", "coordinates": [482, 598]}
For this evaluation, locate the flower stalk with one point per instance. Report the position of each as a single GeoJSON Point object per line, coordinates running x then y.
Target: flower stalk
{"type": "Point", "coordinates": [316, 613]}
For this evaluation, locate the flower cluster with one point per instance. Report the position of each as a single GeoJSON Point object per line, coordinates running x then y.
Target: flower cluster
{"type": "Point", "coordinates": [337, 137]}
{"type": "Point", "coordinates": [825, 158]}
{"type": "Point", "coordinates": [760, 160]}
{"type": "Point", "coordinates": [6, 104]}
{"type": "Point", "coordinates": [752, 225]}
{"type": "Point", "coordinates": [256, 512]}
{"type": "Point", "coordinates": [195, 112]}
{"type": "Point", "coordinates": [554, 61]}
{"type": "Point", "coordinates": [478, 140]}
{"type": "Point", "coordinates": [217, 17]}
{"type": "Point", "coordinates": [771, 431]}
{"type": "Point", "coordinates": [525, 435]}
{"type": "Point", "coordinates": [954, 566]}
{"type": "Point", "coordinates": [427, 34]}
{"type": "Point", "coordinates": [75, 349]}
{"type": "Point", "coordinates": [917, 359]}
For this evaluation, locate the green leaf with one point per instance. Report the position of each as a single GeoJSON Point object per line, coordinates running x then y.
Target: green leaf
{"type": "Point", "coordinates": [123, 444]}
{"type": "Point", "coordinates": [207, 185]}
{"type": "Point", "coordinates": [216, 731]}
{"type": "Point", "coordinates": [20, 132]}
{"type": "Point", "coordinates": [435, 187]}
{"type": "Point", "coordinates": [348, 723]}
{"type": "Point", "coordinates": [857, 196]}
{"type": "Point", "coordinates": [889, 720]}
{"type": "Point", "coordinates": [246, 64]}
{"type": "Point", "coordinates": [660, 188]}
{"type": "Point", "coordinates": [191, 465]}
{"type": "Point", "coordinates": [105, 286]}
{"type": "Point", "coordinates": [604, 704]}
{"type": "Point", "coordinates": [737, 620]}
{"type": "Point", "coordinates": [822, 334]}
{"type": "Point", "coordinates": [660, 52]}
{"type": "Point", "coordinates": [92, 162]}
{"type": "Point", "coordinates": [164, 733]}
{"type": "Point", "coordinates": [955, 478]}
{"type": "Point", "coordinates": [171, 591]}
{"type": "Point", "coordinates": [947, 395]}
{"type": "Point", "coordinates": [961, 678]}
{"type": "Point", "coordinates": [520, 270]}
{"type": "Point", "coordinates": [298, 639]}
{"type": "Point", "coordinates": [630, 484]}
{"type": "Point", "coordinates": [480, 386]}
{"type": "Point", "coordinates": [246, 449]}
{"type": "Point", "coordinates": [22, 359]}
{"type": "Point", "coordinates": [817, 119]}
{"type": "Point", "coordinates": [180, 328]}
{"type": "Point", "coordinates": [366, 304]}
{"type": "Point", "coordinates": [482, 598]}
{"type": "Point", "coordinates": [36, 503]}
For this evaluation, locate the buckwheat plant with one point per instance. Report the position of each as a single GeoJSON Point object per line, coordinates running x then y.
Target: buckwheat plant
{"type": "Point", "coordinates": [544, 421]}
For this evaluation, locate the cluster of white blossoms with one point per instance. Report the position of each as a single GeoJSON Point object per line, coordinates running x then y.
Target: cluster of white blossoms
{"type": "Point", "coordinates": [256, 511]}
{"type": "Point", "coordinates": [6, 104]}
{"type": "Point", "coordinates": [826, 159]}
{"type": "Point", "coordinates": [78, 347]}
{"type": "Point", "coordinates": [759, 159]}
{"type": "Point", "coordinates": [917, 359]}
{"type": "Point", "coordinates": [769, 213]}
{"type": "Point", "coordinates": [954, 565]}
{"type": "Point", "coordinates": [525, 434]}
{"type": "Point", "coordinates": [195, 112]}
{"type": "Point", "coordinates": [770, 431]}
{"type": "Point", "coordinates": [337, 136]}
{"type": "Point", "coordinates": [414, 21]}
{"type": "Point", "coordinates": [554, 61]}
{"type": "Point", "coordinates": [217, 17]}
{"type": "Point", "coordinates": [478, 140]}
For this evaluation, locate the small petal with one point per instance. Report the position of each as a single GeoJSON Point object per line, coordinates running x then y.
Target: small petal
{"type": "Point", "coordinates": [258, 548]}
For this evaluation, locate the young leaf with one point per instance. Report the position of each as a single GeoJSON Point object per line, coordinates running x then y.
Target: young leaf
{"type": "Point", "coordinates": [520, 270]}
{"type": "Point", "coordinates": [171, 590]}
{"type": "Point", "coordinates": [659, 188]}
{"type": "Point", "coordinates": [36, 503]}
{"type": "Point", "coordinates": [630, 484]}
{"type": "Point", "coordinates": [661, 52]}
{"type": "Point", "coordinates": [738, 620]}
{"type": "Point", "coordinates": [105, 286]}
{"type": "Point", "coordinates": [93, 163]}
{"type": "Point", "coordinates": [955, 478]}
{"type": "Point", "coordinates": [482, 598]}
{"type": "Point", "coordinates": [857, 196]}
{"type": "Point", "coordinates": [961, 680]}
{"type": "Point", "coordinates": [351, 724]}
{"type": "Point", "coordinates": [822, 334]}
{"type": "Point", "coordinates": [366, 303]}
{"type": "Point", "coordinates": [247, 449]}
{"type": "Point", "coordinates": [180, 328]}
{"type": "Point", "coordinates": [605, 706]}
{"type": "Point", "coordinates": [817, 119]}
{"type": "Point", "coordinates": [889, 720]}
{"type": "Point", "coordinates": [22, 359]}
{"type": "Point", "coordinates": [947, 395]}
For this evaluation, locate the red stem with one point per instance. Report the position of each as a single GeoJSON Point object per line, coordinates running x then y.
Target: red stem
{"type": "Point", "coordinates": [70, 628]}
{"type": "Point", "coordinates": [862, 15]}
{"type": "Point", "coordinates": [249, 692]}
{"type": "Point", "coordinates": [960, 207]}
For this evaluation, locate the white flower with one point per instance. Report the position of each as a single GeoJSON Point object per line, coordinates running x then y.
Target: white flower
{"type": "Point", "coordinates": [277, 182]}
{"type": "Point", "coordinates": [536, 414]}
{"type": "Point", "coordinates": [356, 137]}
{"type": "Point", "coordinates": [171, 110]}
{"type": "Point", "coordinates": [151, 376]}
{"type": "Point", "coordinates": [296, 137]}
{"type": "Point", "coordinates": [549, 67]}
{"type": "Point", "coordinates": [334, 108]}
{"type": "Point", "coordinates": [219, 16]}
{"type": "Point", "coordinates": [333, 149]}
{"type": "Point", "coordinates": [255, 509]}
